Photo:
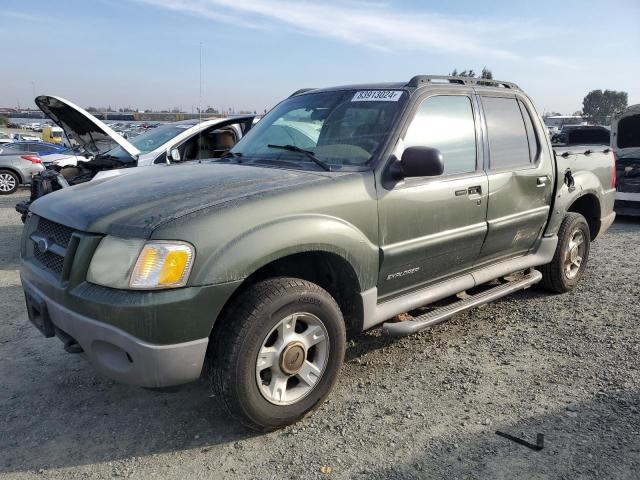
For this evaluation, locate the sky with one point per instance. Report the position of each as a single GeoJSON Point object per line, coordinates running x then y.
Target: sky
{"type": "Point", "coordinates": [146, 53]}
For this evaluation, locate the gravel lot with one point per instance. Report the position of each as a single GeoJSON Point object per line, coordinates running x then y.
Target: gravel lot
{"type": "Point", "coordinates": [426, 406]}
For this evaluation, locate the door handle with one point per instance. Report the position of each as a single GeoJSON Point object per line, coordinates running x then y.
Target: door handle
{"type": "Point", "coordinates": [475, 190]}
{"type": "Point", "coordinates": [541, 181]}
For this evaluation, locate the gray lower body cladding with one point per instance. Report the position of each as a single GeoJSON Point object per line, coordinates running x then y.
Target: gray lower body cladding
{"type": "Point", "coordinates": [114, 352]}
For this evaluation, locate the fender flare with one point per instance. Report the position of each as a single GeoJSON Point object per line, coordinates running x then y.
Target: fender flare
{"type": "Point", "coordinates": [267, 242]}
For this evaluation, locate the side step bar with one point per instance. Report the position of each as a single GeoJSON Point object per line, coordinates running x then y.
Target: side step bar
{"type": "Point", "coordinates": [400, 329]}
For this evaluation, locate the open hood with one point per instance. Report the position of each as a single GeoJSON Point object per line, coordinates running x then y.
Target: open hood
{"type": "Point", "coordinates": [94, 136]}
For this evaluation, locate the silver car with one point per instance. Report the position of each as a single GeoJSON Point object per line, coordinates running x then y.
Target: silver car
{"type": "Point", "coordinates": [16, 168]}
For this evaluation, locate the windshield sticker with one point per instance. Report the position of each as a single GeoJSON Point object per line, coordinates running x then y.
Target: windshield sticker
{"type": "Point", "coordinates": [377, 96]}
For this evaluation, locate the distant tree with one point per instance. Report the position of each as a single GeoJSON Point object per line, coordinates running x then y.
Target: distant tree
{"type": "Point", "coordinates": [577, 113]}
{"type": "Point", "coordinates": [92, 109]}
{"type": "Point", "coordinates": [3, 120]}
{"type": "Point", "coordinates": [599, 106]}
{"type": "Point", "coordinates": [211, 110]}
{"type": "Point", "coordinates": [486, 73]}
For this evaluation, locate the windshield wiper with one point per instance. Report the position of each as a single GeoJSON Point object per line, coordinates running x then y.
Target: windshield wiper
{"type": "Point", "coordinates": [308, 153]}
{"type": "Point", "coordinates": [231, 155]}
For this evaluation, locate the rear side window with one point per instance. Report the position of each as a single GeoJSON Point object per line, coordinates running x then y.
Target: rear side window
{"type": "Point", "coordinates": [534, 144]}
{"type": "Point", "coordinates": [507, 134]}
{"type": "Point", "coordinates": [446, 123]}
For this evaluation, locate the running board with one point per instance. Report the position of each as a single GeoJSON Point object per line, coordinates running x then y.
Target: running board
{"type": "Point", "coordinates": [400, 329]}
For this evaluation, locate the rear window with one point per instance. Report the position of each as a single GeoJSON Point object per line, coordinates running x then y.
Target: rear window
{"type": "Point", "coordinates": [507, 134]}
{"type": "Point", "coordinates": [588, 136]}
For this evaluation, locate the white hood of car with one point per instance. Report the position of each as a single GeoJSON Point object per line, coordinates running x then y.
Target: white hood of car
{"type": "Point", "coordinates": [91, 134]}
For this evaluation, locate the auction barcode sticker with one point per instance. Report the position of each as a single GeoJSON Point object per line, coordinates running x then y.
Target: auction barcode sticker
{"type": "Point", "coordinates": [377, 96]}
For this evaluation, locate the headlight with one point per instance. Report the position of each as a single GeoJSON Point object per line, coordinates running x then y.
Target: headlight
{"type": "Point", "coordinates": [133, 264]}
{"type": "Point", "coordinates": [162, 265]}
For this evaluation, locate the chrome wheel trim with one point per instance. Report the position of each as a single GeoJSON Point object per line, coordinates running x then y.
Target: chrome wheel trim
{"type": "Point", "coordinates": [282, 376]}
{"type": "Point", "coordinates": [574, 254]}
{"type": "Point", "coordinates": [7, 182]}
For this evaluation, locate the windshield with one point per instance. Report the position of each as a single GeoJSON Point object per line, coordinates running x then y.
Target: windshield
{"type": "Point", "coordinates": [149, 141]}
{"type": "Point", "coordinates": [339, 128]}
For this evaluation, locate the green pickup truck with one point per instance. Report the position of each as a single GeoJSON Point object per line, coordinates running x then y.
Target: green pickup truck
{"type": "Point", "coordinates": [340, 209]}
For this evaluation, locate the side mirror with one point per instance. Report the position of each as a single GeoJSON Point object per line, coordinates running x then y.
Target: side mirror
{"type": "Point", "coordinates": [173, 155]}
{"type": "Point", "coordinates": [418, 162]}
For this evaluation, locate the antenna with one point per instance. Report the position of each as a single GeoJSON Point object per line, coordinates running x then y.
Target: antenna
{"type": "Point", "coordinates": [200, 99]}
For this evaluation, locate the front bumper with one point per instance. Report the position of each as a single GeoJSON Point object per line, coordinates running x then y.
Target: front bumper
{"type": "Point", "coordinates": [114, 352]}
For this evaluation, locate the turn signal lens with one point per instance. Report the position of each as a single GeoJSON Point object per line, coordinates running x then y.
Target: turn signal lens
{"type": "Point", "coordinates": [162, 265]}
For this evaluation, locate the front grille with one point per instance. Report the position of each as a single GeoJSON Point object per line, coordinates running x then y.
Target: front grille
{"type": "Point", "coordinates": [56, 232]}
{"type": "Point", "coordinates": [49, 260]}
{"type": "Point", "coordinates": [56, 239]}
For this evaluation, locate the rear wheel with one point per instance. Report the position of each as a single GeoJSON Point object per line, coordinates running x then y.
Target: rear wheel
{"type": "Point", "coordinates": [9, 182]}
{"type": "Point", "coordinates": [570, 259]}
{"type": "Point", "coordinates": [277, 353]}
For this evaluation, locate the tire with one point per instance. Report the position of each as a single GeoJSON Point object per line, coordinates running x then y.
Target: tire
{"type": "Point", "coordinates": [562, 274]}
{"type": "Point", "coordinates": [279, 319]}
{"type": "Point", "coordinates": [9, 182]}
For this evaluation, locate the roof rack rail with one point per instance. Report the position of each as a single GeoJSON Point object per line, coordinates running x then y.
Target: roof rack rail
{"type": "Point", "coordinates": [302, 90]}
{"type": "Point", "coordinates": [421, 80]}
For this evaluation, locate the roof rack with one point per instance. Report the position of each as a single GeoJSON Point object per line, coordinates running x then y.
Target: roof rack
{"type": "Point", "coordinates": [421, 80]}
{"type": "Point", "coordinates": [301, 91]}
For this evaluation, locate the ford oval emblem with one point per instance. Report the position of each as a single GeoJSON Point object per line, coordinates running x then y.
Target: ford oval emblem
{"type": "Point", "coordinates": [43, 245]}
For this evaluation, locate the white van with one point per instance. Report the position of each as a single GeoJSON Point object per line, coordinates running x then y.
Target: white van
{"type": "Point", "coordinates": [625, 141]}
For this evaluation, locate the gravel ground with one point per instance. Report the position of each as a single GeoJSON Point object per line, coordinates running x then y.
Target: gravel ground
{"type": "Point", "coordinates": [426, 406]}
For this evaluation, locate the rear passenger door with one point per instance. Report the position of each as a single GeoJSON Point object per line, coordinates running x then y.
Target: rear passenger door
{"type": "Point", "coordinates": [520, 177]}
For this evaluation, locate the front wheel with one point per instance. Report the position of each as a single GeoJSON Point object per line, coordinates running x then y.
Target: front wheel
{"type": "Point", "coordinates": [570, 259]}
{"type": "Point", "coordinates": [9, 182]}
{"type": "Point", "coordinates": [277, 353]}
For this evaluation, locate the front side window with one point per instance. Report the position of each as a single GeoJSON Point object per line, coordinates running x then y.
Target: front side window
{"type": "Point", "coordinates": [446, 123]}
{"type": "Point", "coordinates": [339, 128]}
{"type": "Point", "coordinates": [507, 134]}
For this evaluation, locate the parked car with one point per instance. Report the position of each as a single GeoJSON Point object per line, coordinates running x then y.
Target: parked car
{"type": "Point", "coordinates": [626, 144]}
{"type": "Point", "coordinates": [108, 154]}
{"type": "Point", "coordinates": [16, 168]}
{"type": "Point", "coordinates": [250, 269]}
{"type": "Point", "coordinates": [5, 138]}
{"type": "Point", "coordinates": [26, 137]}
{"type": "Point", "coordinates": [41, 148]}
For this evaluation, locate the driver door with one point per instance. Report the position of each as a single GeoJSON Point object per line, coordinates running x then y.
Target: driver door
{"type": "Point", "coordinates": [434, 227]}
